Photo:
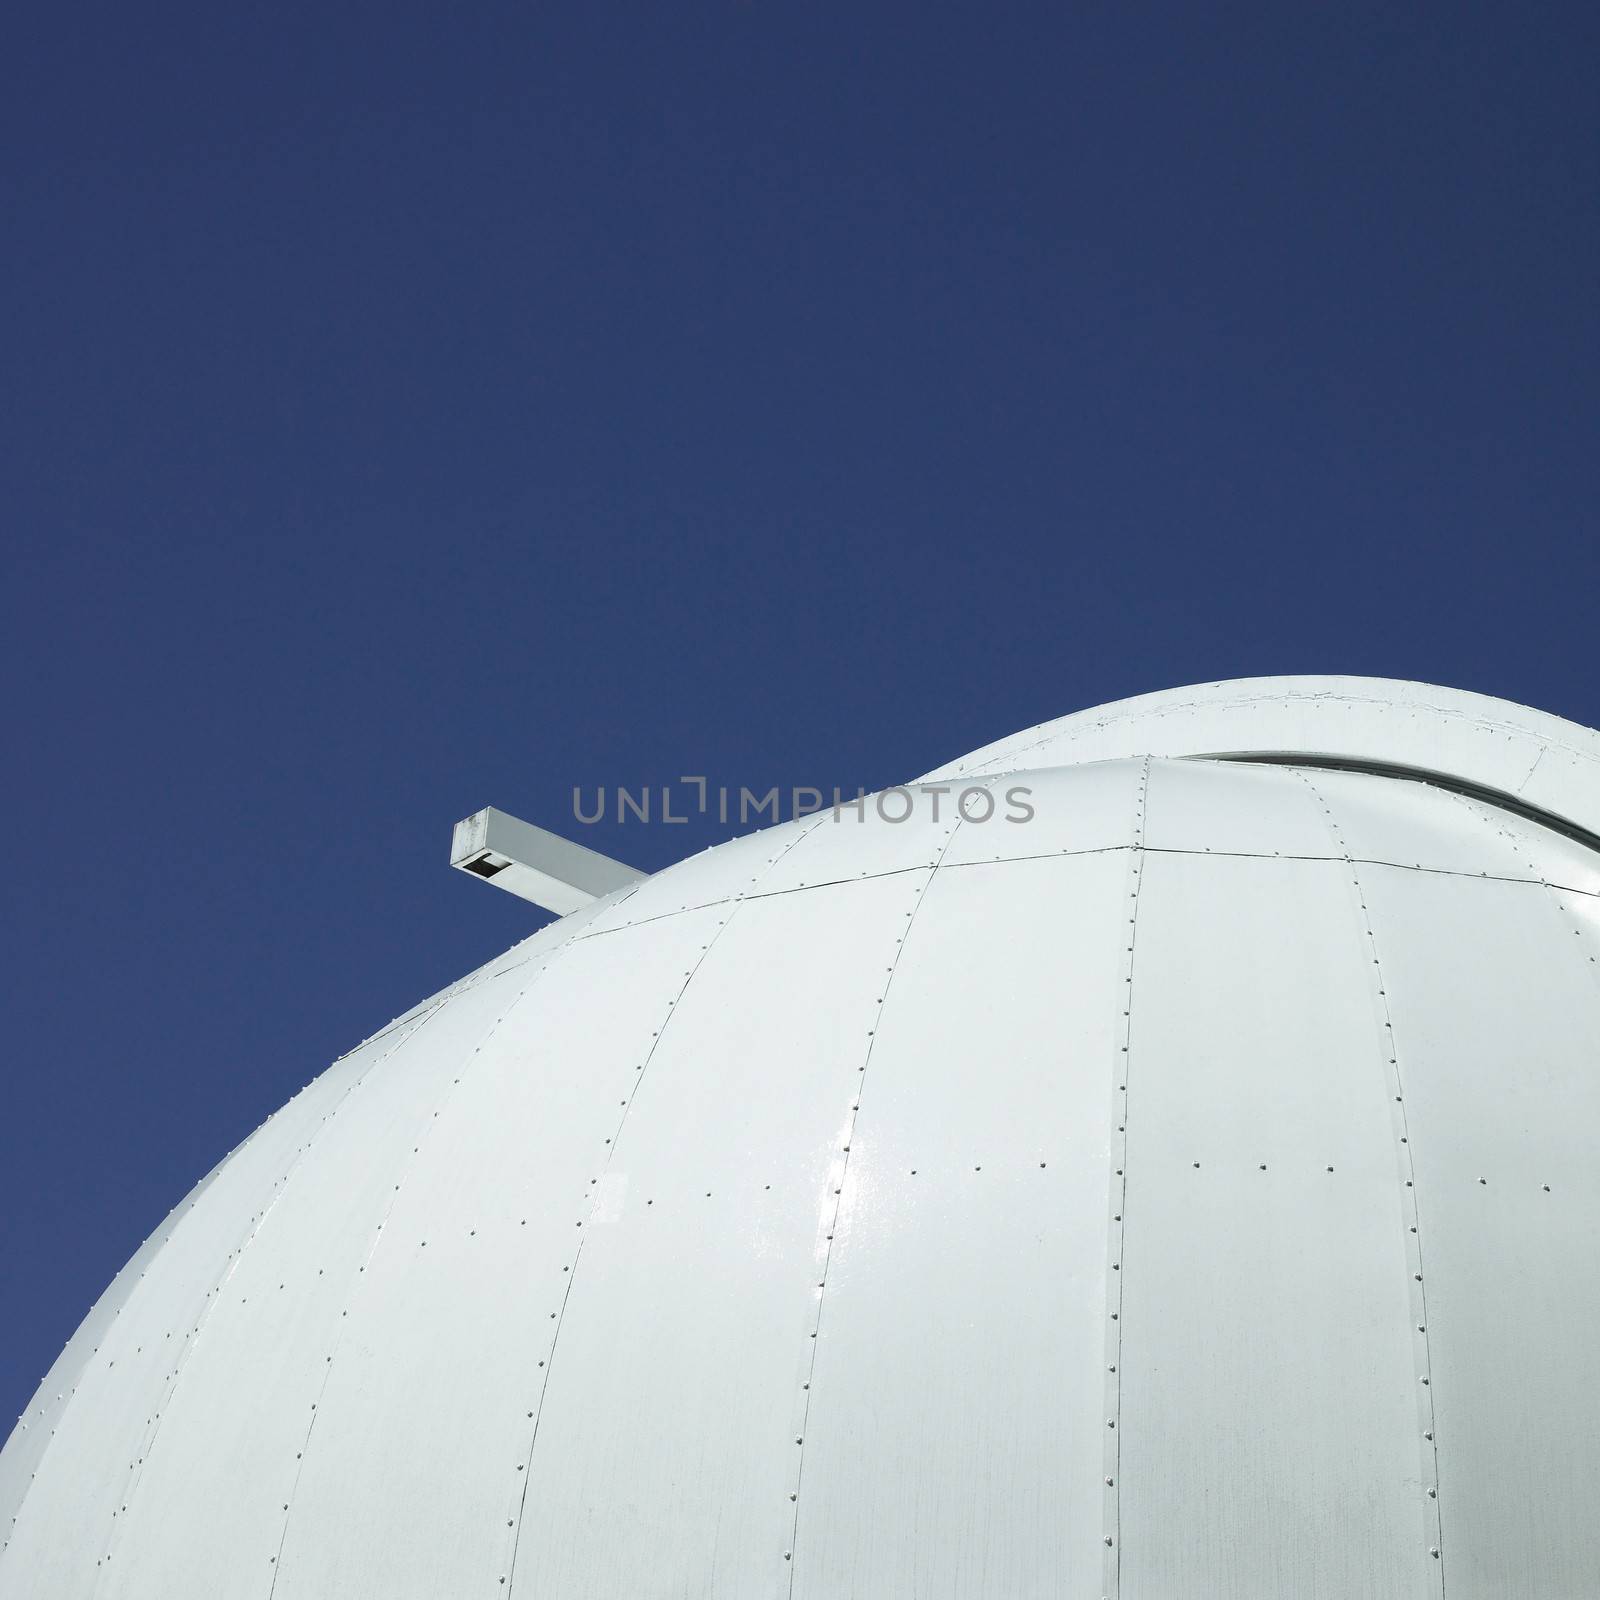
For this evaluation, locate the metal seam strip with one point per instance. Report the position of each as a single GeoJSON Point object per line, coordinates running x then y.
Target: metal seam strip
{"type": "Point", "coordinates": [1117, 1194]}
{"type": "Point", "coordinates": [406, 1167]}
{"type": "Point", "coordinates": [840, 1173]}
{"type": "Point", "coordinates": [1410, 1210]}
{"type": "Point", "coordinates": [517, 955]}
{"type": "Point", "coordinates": [1552, 891]}
{"type": "Point", "coordinates": [1069, 736]}
{"type": "Point", "coordinates": [410, 1021]}
{"type": "Point", "coordinates": [513, 1544]}
{"type": "Point", "coordinates": [1054, 855]}
{"type": "Point", "coordinates": [1403, 772]}
{"type": "Point", "coordinates": [1528, 776]}
{"type": "Point", "coordinates": [166, 1227]}
{"type": "Point", "coordinates": [136, 1470]}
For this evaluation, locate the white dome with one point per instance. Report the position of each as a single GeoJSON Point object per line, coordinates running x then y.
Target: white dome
{"type": "Point", "coordinates": [1188, 1192]}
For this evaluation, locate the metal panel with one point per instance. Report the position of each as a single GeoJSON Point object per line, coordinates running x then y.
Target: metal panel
{"type": "Point", "coordinates": [953, 1441]}
{"type": "Point", "coordinates": [103, 1429]}
{"type": "Point", "coordinates": [1399, 823]}
{"type": "Point", "coordinates": [723, 873]}
{"type": "Point", "coordinates": [1582, 918]}
{"type": "Point", "coordinates": [688, 1306]}
{"type": "Point", "coordinates": [1498, 1032]}
{"type": "Point", "coordinates": [1552, 763]}
{"type": "Point", "coordinates": [211, 1494]}
{"type": "Point", "coordinates": [444, 1344]}
{"type": "Point", "coordinates": [1224, 808]}
{"type": "Point", "coordinates": [1532, 851]}
{"type": "Point", "coordinates": [1268, 1422]}
{"type": "Point", "coordinates": [1089, 808]}
{"type": "Point", "coordinates": [36, 1427]}
{"type": "Point", "coordinates": [843, 848]}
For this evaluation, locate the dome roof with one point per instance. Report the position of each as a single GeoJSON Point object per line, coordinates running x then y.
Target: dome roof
{"type": "Point", "coordinates": [1520, 757]}
{"type": "Point", "coordinates": [1187, 1190]}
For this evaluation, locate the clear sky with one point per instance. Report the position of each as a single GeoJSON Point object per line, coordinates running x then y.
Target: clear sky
{"type": "Point", "coordinates": [407, 408]}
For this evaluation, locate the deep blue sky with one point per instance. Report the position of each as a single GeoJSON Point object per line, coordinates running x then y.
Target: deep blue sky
{"type": "Point", "coordinates": [406, 408]}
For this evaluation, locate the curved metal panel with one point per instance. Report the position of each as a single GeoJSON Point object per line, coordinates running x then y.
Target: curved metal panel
{"type": "Point", "coordinates": [1544, 760]}
{"type": "Point", "coordinates": [445, 1341]}
{"type": "Point", "coordinates": [214, 1489]}
{"type": "Point", "coordinates": [64, 1530]}
{"type": "Point", "coordinates": [953, 1443]}
{"type": "Point", "coordinates": [1497, 1031]}
{"type": "Point", "coordinates": [1268, 1422]}
{"type": "Point", "coordinates": [690, 1300]}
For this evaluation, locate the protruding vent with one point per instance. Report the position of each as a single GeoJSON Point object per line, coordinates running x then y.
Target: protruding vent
{"type": "Point", "coordinates": [534, 863]}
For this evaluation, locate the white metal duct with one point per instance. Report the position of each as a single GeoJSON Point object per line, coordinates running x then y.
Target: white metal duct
{"type": "Point", "coordinates": [1188, 1192]}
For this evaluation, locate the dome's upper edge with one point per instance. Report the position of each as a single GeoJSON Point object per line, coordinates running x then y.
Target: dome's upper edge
{"type": "Point", "coordinates": [1533, 757]}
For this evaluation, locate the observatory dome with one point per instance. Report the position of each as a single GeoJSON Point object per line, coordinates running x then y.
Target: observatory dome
{"type": "Point", "coordinates": [1189, 1191]}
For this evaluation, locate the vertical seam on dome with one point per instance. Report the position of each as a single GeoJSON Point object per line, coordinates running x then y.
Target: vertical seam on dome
{"type": "Point", "coordinates": [1411, 1212]}
{"type": "Point", "coordinates": [509, 1578]}
{"type": "Point", "coordinates": [803, 1408]}
{"type": "Point", "coordinates": [214, 1297]}
{"type": "Point", "coordinates": [65, 1395]}
{"type": "Point", "coordinates": [1552, 891]}
{"type": "Point", "coordinates": [407, 1164]}
{"type": "Point", "coordinates": [1117, 1194]}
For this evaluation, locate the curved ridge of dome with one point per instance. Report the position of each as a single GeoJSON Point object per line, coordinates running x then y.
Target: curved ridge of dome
{"type": "Point", "coordinates": [1536, 761]}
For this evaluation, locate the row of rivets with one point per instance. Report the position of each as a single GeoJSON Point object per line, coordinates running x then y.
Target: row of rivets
{"type": "Point", "coordinates": [170, 1377]}
{"type": "Point", "coordinates": [517, 1504]}
{"type": "Point", "coordinates": [919, 885]}
{"type": "Point", "coordinates": [1413, 1237]}
{"type": "Point", "coordinates": [1111, 1534]}
{"type": "Point", "coordinates": [378, 1238]}
{"type": "Point", "coordinates": [1518, 846]}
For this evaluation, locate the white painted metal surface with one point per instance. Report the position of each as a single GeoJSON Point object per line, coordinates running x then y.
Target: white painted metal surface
{"type": "Point", "coordinates": [534, 864]}
{"type": "Point", "coordinates": [1538, 759]}
{"type": "Point", "coordinates": [1188, 1192]}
